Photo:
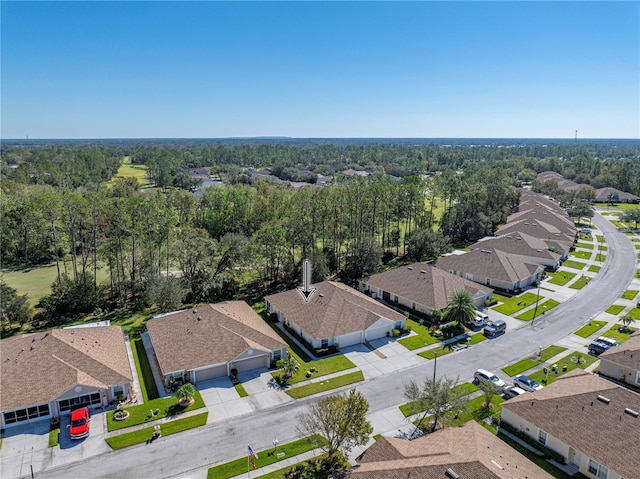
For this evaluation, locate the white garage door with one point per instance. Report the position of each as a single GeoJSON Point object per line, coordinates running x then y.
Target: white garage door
{"type": "Point", "coordinates": [252, 363]}
{"type": "Point", "coordinates": [210, 373]}
{"type": "Point", "coordinates": [376, 333]}
{"type": "Point", "coordinates": [349, 339]}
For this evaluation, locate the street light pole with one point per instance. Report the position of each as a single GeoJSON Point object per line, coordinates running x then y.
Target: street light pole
{"type": "Point", "coordinates": [535, 311]}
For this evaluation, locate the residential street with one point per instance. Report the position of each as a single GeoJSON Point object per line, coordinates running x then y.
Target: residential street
{"type": "Point", "coordinates": [189, 454]}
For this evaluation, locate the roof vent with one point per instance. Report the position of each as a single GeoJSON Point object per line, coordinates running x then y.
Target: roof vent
{"type": "Point", "coordinates": [496, 464]}
{"type": "Point", "coordinates": [199, 318]}
{"type": "Point", "coordinates": [34, 339]}
{"type": "Point", "coordinates": [32, 348]}
{"type": "Point", "coordinates": [603, 399]}
{"type": "Point", "coordinates": [423, 271]}
{"type": "Point", "coordinates": [631, 412]}
{"type": "Point", "coordinates": [410, 267]}
{"type": "Point", "coordinates": [451, 474]}
{"type": "Point", "coordinates": [321, 295]}
{"type": "Point", "coordinates": [195, 311]}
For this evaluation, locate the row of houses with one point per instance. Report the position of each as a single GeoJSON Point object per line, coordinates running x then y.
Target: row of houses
{"type": "Point", "coordinates": [600, 195]}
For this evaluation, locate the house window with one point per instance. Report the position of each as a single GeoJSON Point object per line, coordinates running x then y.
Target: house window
{"type": "Point", "coordinates": [24, 414]}
{"type": "Point", "coordinates": [398, 325]}
{"type": "Point", "coordinates": [73, 403]}
{"type": "Point", "coordinates": [638, 377]}
{"type": "Point", "coordinates": [118, 390]}
{"type": "Point", "coordinates": [413, 305]}
{"type": "Point", "coordinates": [324, 343]}
{"type": "Point", "coordinates": [542, 437]}
{"type": "Point", "coordinates": [598, 470]}
{"type": "Point", "coordinates": [394, 298]}
{"type": "Point", "coordinates": [277, 354]}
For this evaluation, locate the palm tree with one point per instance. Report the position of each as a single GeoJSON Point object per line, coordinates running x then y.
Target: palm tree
{"type": "Point", "coordinates": [461, 308]}
{"type": "Point", "coordinates": [627, 319]}
{"type": "Point", "coordinates": [185, 393]}
{"type": "Point", "coordinates": [289, 368]}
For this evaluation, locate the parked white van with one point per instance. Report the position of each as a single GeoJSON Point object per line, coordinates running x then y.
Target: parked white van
{"type": "Point", "coordinates": [481, 319]}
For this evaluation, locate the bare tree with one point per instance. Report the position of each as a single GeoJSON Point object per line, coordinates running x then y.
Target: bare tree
{"type": "Point", "coordinates": [435, 397]}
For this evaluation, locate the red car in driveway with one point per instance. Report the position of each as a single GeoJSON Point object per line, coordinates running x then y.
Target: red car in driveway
{"type": "Point", "coordinates": [79, 426]}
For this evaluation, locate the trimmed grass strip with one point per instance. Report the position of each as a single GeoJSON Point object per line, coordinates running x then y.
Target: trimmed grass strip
{"type": "Point", "coordinates": [528, 363]}
{"type": "Point", "coordinates": [242, 392]}
{"type": "Point", "coordinates": [594, 269]}
{"type": "Point", "coordinates": [571, 364]}
{"type": "Point", "coordinates": [582, 254]}
{"type": "Point", "coordinates": [589, 328]}
{"type": "Point", "coordinates": [54, 436]}
{"type": "Point", "coordinates": [581, 283]}
{"type": "Point", "coordinates": [619, 335]}
{"type": "Point", "coordinates": [514, 304]}
{"type": "Point", "coordinates": [168, 428]}
{"type": "Point", "coordinates": [630, 294]}
{"type": "Point", "coordinates": [615, 309]}
{"type": "Point", "coordinates": [584, 245]}
{"type": "Point", "coordinates": [265, 457]}
{"type": "Point", "coordinates": [147, 382]}
{"type": "Point", "coordinates": [561, 278]}
{"type": "Point", "coordinates": [325, 385]}
{"type": "Point", "coordinates": [574, 264]}
{"type": "Point", "coordinates": [543, 307]}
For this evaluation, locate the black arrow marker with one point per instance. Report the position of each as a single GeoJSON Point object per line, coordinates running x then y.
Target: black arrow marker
{"type": "Point", "coordinates": [306, 291]}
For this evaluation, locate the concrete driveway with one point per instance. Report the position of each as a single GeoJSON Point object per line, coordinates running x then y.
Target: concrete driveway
{"type": "Point", "coordinates": [389, 356]}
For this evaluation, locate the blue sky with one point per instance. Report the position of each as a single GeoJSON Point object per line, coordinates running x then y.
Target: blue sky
{"type": "Point", "coordinates": [320, 69]}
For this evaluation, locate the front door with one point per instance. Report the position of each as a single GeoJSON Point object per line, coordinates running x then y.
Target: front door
{"type": "Point", "coordinates": [574, 457]}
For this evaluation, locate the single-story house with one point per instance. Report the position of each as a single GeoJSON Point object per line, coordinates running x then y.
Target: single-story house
{"type": "Point", "coordinates": [602, 195]}
{"type": "Point", "coordinates": [530, 249]}
{"type": "Point", "coordinates": [421, 287]}
{"type": "Point", "coordinates": [623, 363]}
{"type": "Point", "coordinates": [46, 375]}
{"type": "Point", "coordinates": [469, 451]}
{"type": "Point", "coordinates": [551, 235]}
{"type": "Point", "coordinates": [591, 422]}
{"type": "Point", "coordinates": [493, 268]}
{"type": "Point", "coordinates": [563, 183]}
{"type": "Point", "coordinates": [335, 315]}
{"type": "Point", "coordinates": [561, 221]}
{"type": "Point", "coordinates": [207, 342]}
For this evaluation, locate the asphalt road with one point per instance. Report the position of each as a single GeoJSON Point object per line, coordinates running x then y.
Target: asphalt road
{"type": "Point", "coordinates": [175, 456]}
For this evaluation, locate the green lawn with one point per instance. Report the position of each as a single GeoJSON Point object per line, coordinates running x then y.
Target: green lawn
{"type": "Point", "coordinates": [600, 239]}
{"type": "Point", "coordinates": [615, 309]}
{"type": "Point", "coordinates": [238, 467]}
{"type": "Point", "coordinates": [528, 363]}
{"type": "Point", "coordinates": [475, 410]}
{"type": "Point", "coordinates": [168, 428]}
{"type": "Point", "coordinates": [594, 269]}
{"type": "Point", "coordinates": [423, 338]}
{"type": "Point", "coordinates": [145, 375]}
{"type": "Point", "coordinates": [167, 406]}
{"type": "Point", "coordinates": [629, 294]}
{"type": "Point", "coordinates": [326, 385]}
{"type": "Point", "coordinates": [560, 278]}
{"type": "Point", "coordinates": [584, 245]}
{"type": "Point", "coordinates": [574, 264]}
{"type": "Point", "coordinates": [585, 360]}
{"type": "Point", "coordinates": [127, 170]}
{"type": "Point", "coordinates": [635, 313]}
{"type": "Point", "coordinates": [543, 307]}
{"type": "Point", "coordinates": [589, 328]}
{"type": "Point", "coordinates": [241, 390]}
{"type": "Point", "coordinates": [582, 254]}
{"type": "Point", "coordinates": [515, 304]}
{"type": "Point", "coordinates": [600, 257]}
{"type": "Point", "coordinates": [444, 350]}
{"type": "Point", "coordinates": [581, 283]}
{"type": "Point", "coordinates": [620, 336]}
{"type": "Point", "coordinates": [602, 248]}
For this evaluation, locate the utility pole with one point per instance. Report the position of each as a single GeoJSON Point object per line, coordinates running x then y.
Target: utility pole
{"type": "Point", "coordinates": [535, 311]}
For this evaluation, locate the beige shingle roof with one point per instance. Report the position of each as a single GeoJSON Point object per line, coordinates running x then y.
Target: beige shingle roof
{"type": "Point", "coordinates": [424, 284]}
{"type": "Point", "coordinates": [491, 264]}
{"type": "Point", "coordinates": [627, 354]}
{"type": "Point", "coordinates": [518, 243]}
{"type": "Point", "coordinates": [470, 451]}
{"type": "Point", "coordinates": [569, 409]}
{"type": "Point", "coordinates": [38, 367]}
{"type": "Point", "coordinates": [537, 229]}
{"type": "Point", "coordinates": [333, 310]}
{"type": "Point", "coordinates": [225, 330]}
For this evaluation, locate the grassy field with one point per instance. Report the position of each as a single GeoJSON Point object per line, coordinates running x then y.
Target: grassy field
{"type": "Point", "coordinates": [571, 363]}
{"type": "Point", "coordinates": [446, 349]}
{"type": "Point", "coordinates": [584, 245]}
{"type": "Point", "coordinates": [423, 337]}
{"type": "Point", "coordinates": [629, 294]}
{"type": "Point", "coordinates": [617, 334]}
{"type": "Point", "coordinates": [574, 264]}
{"type": "Point", "coordinates": [238, 467]}
{"type": "Point", "coordinates": [600, 239]}
{"type": "Point", "coordinates": [325, 385]}
{"type": "Point", "coordinates": [36, 281]}
{"type": "Point", "coordinates": [560, 278]}
{"type": "Point", "coordinates": [528, 363]}
{"type": "Point", "coordinates": [581, 283]}
{"type": "Point", "coordinates": [615, 309]}
{"type": "Point", "coordinates": [127, 170]}
{"type": "Point", "coordinates": [594, 269]}
{"type": "Point", "coordinates": [543, 307]}
{"type": "Point", "coordinates": [589, 328]}
{"type": "Point", "coordinates": [167, 428]}
{"type": "Point", "coordinates": [514, 304]}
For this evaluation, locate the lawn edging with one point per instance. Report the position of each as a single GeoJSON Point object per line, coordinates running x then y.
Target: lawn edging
{"type": "Point", "coordinates": [325, 385]}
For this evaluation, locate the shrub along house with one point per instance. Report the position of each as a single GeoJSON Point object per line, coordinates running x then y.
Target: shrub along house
{"type": "Point", "coordinates": [493, 268]}
{"type": "Point", "coordinates": [589, 422]}
{"type": "Point", "coordinates": [46, 375]}
{"type": "Point", "coordinates": [421, 287]}
{"type": "Point", "coordinates": [208, 342]}
{"type": "Point", "coordinates": [335, 315]}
